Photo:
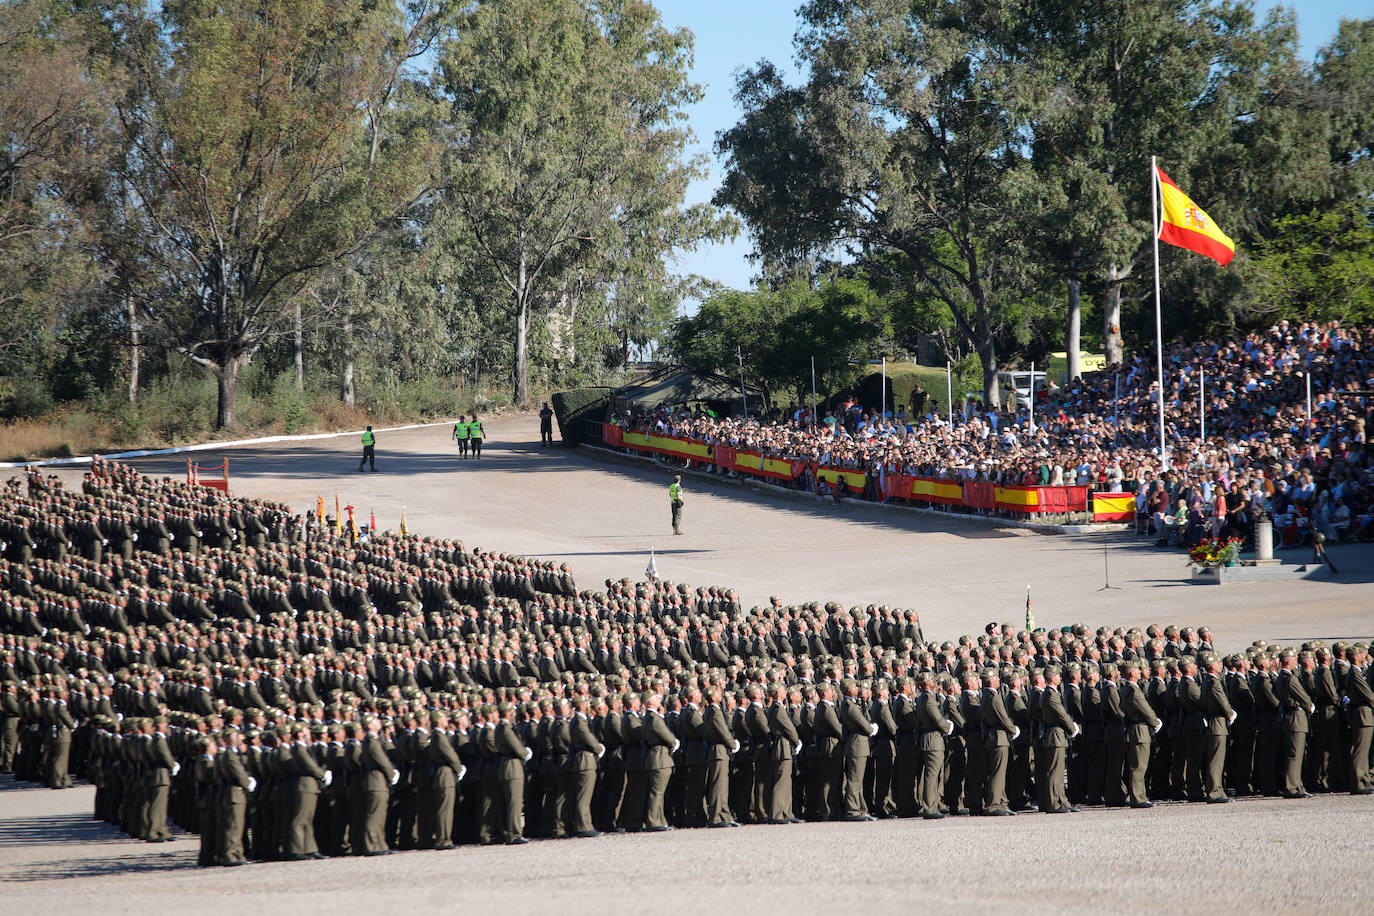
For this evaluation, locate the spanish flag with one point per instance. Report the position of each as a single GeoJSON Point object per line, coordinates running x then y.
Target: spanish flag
{"type": "Point", "coordinates": [1187, 225]}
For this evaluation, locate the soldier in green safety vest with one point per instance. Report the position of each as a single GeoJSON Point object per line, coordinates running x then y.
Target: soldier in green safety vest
{"type": "Point", "coordinates": [460, 435]}
{"type": "Point", "coordinates": [475, 434]}
{"type": "Point", "coordinates": [675, 497]}
{"type": "Point", "coordinates": [369, 453]}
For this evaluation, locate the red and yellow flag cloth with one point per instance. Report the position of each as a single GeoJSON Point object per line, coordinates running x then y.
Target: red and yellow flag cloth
{"type": "Point", "coordinates": [1187, 225]}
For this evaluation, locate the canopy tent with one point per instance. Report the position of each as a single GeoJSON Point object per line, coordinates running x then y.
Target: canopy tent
{"type": "Point", "coordinates": [676, 386]}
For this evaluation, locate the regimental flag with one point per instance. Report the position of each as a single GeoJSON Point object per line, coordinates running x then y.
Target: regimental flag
{"type": "Point", "coordinates": [1187, 225]}
{"type": "Point", "coordinates": [352, 525]}
{"type": "Point", "coordinates": [319, 509]}
{"type": "Point", "coordinates": [338, 517]}
{"type": "Point", "coordinates": [372, 521]}
{"type": "Point", "coordinates": [1030, 617]}
{"type": "Point", "coordinates": [404, 529]}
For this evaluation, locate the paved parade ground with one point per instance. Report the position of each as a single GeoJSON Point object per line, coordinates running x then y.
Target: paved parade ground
{"type": "Point", "coordinates": [603, 515]}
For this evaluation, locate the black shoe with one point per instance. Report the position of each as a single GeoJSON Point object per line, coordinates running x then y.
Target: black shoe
{"type": "Point", "coordinates": [1000, 812]}
{"type": "Point", "coordinates": [1297, 795]}
{"type": "Point", "coordinates": [722, 824]}
{"type": "Point", "coordinates": [518, 841]}
{"type": "Point", "coordinates": [618, 830]}
{"type": "Point", "coordinates": [1220, 800]}
{"type": "Point", "coordinates": [1146, 804]}
{"type": "Point", "coordinates": [318, 855]}
{"type": "Point", "coordinates": [798, 820]}
{"type": "Point", "coordinates": [1057, 811]}
{"type": "Point", "coordinates": [934, 816]}
{"type": "Point", "coordinates": [379, 852]}
{"type": "Point", "coordinates": [587, 834]}
{"type": "Point", "coordinates": [858, 817]}
{"type": "Point", "coordinates": [1074, 809]}
{"type": "Point", "coordinates": [664, 828]}
{"type": "Point", "coordinates": [299, 857]}
{"type": "Point", "coordinates": [1362, 791]}
{"type": "Point", "coordinates": [234, 864]}
{"type": "Point", "coordinates": [734, 823]}
{"type": "Point", "coordinates": [444, 847]}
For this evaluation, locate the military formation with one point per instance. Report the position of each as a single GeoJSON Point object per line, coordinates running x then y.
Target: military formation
{"type": "Point", "coordinates": [285, 692]}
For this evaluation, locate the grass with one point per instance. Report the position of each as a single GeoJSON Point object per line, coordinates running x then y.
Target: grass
{"type": "Point", "coordinates": [180, 410]}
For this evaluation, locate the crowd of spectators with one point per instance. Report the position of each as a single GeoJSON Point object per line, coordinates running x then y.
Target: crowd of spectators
{"type": "Point", "coordinates": [1259, 453]}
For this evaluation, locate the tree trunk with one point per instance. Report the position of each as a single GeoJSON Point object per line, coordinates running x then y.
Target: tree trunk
{"type": "Point", "coordinates": [1072, 343]}
{"type": "Point", "coordinates": [1111, 313]}
{"type": "Point", "coordinates": [346, 390]}
{"type": "Point", "coordinates": [226, 412]}
{"type": "Point", "coordinates": [987, 356]}
{"type": "Point", "coordinates": [135, 351]}
{"type": "Point", "coordinates": [520, 370]}
{"type": "Point", "coordinates": [298, 349]}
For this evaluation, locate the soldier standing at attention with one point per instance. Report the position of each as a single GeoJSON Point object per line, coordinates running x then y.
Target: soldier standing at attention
{"type": "Point", "coordinates": [675, 499]}
{"type": "Point", "coordinates": [545, 426]}
{"type": "Point", "coordinates": [475, 434]}
{"type": "Point", "coordinates": [460, 435]}
{"type": "Point", "coordinates": [369, 455]}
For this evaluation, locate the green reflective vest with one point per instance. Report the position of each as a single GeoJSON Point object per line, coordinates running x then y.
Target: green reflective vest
{"type": "Point", "coordinates": [674, 491]}
{"type": "Point", "coordinates": [475, 429]}
{"type": "Point", "coordinates": [368, 438]}
{"type": "Point", "coordinates": [460, 430]}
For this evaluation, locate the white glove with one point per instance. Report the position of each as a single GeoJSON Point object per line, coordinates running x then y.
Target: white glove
{"type": "Point", "coordinates": [872, 729]}
{"type": "Point", "coordinates": [1232, 719]}
{"type": "Point", "coordinates": [1015, 732]}
{"type": "Point", "coordinates": [462, 771]}
{"type": "Point", "coordinates": [1312, 709]}
{"type": "Point", "coordinates": [1158, 725]}
{"type": "Point", "coordinates": [949, 728]}
{"type": "Point", "coordinates": [676, 744]}
{"type": "Point", "coordinates": [252, 784]}
{"type": "Point", "coordinates": [796, 752]}
{"type": "Point", "coordinates": [328, 777]}
{"type": "Point", "coordinates": [1076, 731]}
{"type": "Point", "coordinates": [601, 753]}
{"type": "Point", "coordinates": [395, 776]}
{"type": "Point", "coordinates": [736, 747]}
{"type": "Point", "coordinates": [176, 768]}
{"type": "Point", "coordinates": [528, 754]}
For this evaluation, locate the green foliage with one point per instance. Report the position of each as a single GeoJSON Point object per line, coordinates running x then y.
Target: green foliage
{"type": "Point", "coordinates": [575, 407]}
{"type": "Point", "coordinates": [779, 331]}
{"type": "Point", "coordinates": [1320, 265]}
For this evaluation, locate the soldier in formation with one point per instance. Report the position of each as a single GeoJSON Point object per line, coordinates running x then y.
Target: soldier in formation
{"type": "Point", "coordinates": [238, 673]}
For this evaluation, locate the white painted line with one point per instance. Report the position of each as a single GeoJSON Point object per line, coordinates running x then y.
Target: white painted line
{"type": "Point", "coordinates": [206, 446]}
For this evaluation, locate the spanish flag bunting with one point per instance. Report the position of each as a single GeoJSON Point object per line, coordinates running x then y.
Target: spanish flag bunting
{"type": "Point", "coordinates": [1187, 225]}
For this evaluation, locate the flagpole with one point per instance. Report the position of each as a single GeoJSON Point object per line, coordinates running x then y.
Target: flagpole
{"type": "Point", "coordinates": [1202, 404]}
{"type": "Point", "coordinates": [1159, 325]}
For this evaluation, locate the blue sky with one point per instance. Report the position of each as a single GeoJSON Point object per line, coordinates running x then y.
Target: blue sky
{"type": "Point", "coordinates": [732, 35]}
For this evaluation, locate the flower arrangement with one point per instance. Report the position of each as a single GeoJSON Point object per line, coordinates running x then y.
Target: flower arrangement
{"type": "Point", "coordinates": [1216, 552]}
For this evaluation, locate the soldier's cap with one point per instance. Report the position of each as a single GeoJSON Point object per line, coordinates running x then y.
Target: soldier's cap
{"type": "Point", "coordinates": [1073, 666]}
{"type": "Point", "coordinates": [1052, 671]}
{"type": "Point", "coordinates": [988, 674]}
{"type": "Point", "coordinates": [1288, 652]}
{"type": "Point", "coordinates": [1109, 668]}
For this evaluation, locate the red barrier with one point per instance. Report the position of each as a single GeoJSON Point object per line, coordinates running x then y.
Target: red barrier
{"type": "Point", "coordinates": [980, 494]}
{"type": "Point", "coordinates": [613, 435]}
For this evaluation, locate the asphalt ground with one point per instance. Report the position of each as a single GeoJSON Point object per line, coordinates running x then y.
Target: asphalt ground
{"type": "Point", "coordinates": [604, 515]}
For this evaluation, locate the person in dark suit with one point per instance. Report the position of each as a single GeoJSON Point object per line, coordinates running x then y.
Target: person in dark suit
{"type": "Point", "coordinates": [785, 748]}
{"type": "Point", "coordinates": [720, 744]}
{"type": "Point", "coordinates": [513, 755]}
{"type": "Point", "coordinates": [1000, 731]}
{"type": "Point", "coordinates": [1296, 704]}
{"type": "Point", "coordinates": [379, 775]}
{"type": "Point", "coordinates": [660, 745]}
{"type": "Point", "coordinates": [1359, 706]}
{"type": "Point", "coordinates": [584, 753]}
{"type": "Point", "coordinates": [1219, 715]}
{"type": "Point", "coordinates": [448, 772]}
{"type": "Point", "coordinates": [933, 729]}
{"type": "Point", "coordinates": [858, 731]}
{"type": "Point", "coordinates": [1141, 725]}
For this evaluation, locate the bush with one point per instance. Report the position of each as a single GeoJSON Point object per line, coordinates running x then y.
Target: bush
{"type": "Point", "coordinates": [575, 407]}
